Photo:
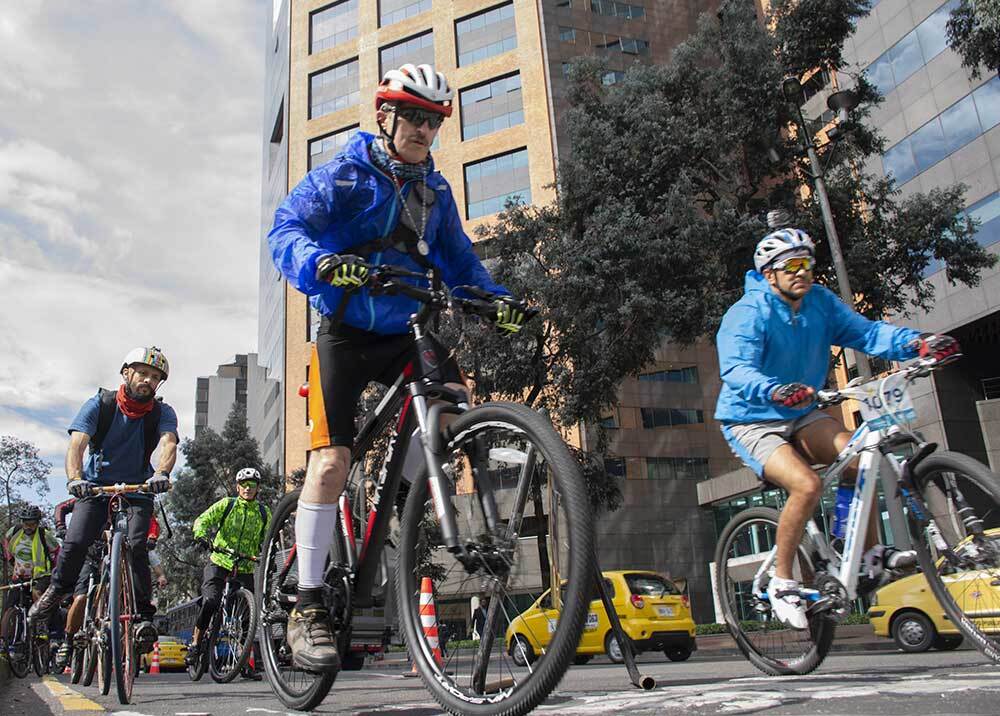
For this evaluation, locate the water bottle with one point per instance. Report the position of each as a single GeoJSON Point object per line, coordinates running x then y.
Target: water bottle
{"type": "Point", "coordinates": [845, 493]}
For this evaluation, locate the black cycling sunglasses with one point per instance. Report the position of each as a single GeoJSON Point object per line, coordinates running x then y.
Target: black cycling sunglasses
{"type": "Point", "coordinates": [417, 116]}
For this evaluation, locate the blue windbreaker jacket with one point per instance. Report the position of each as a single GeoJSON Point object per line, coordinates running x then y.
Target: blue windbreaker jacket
{"type": "Point", "coordinates": [348, 202]}
{"type": "Point", "coordinates": [762, 344]}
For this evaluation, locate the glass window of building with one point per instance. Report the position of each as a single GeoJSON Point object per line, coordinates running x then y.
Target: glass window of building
{"type": "Point", "coordinates": [677, 468]}
{"type": "Point", "coordinates": [614, 8]}
{"type": "Point", "coordinates": [916, 49]}
{"type": "Point", "coordinates": [610, 44]}
{"type": "Point", "coordinates": [567, 34]}
{"type": "Point", "coordinates": [615, 467]}
{"type": "Point", "coordinates": [418, 50]}
{"type": "Point", "coordinates": [490, 183]}
{"type": "Point", "coordinates": [987, 213]}
{"type": "Point", "coordinates": [334, 89]}
{"type": "Point", "coordinates": [668, 417]}
{"type": "Point", "coordinates": [485, 34]}
{"type": "Point", "coordinates": [967, 119]}
{"type": "Point", "coordinates": [333, 25]}
{"type": "Point", "coordinates": [323, 149]}
{"type": "Point", "coordinates": [491, 107]}
{"type": "Point", "coordinates": [673, 375]}
{"type": "Point", "coordinates": [393, 11]}
{"type": "Point", "coordinates": [611, 77]}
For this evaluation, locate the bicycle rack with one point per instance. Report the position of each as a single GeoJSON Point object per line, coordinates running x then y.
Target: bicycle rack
{"type": "Point", "coordinates": [625, 644]}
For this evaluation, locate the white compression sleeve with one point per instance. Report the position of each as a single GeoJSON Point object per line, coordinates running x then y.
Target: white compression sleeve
{"type": "Point", "coordinates": [314, 526]}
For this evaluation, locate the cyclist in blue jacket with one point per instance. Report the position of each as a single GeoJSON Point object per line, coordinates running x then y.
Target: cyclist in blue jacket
{"type": "Point", "coordinates": [774, 354]}
{"type": "Point", "coordinates": [380, 201]}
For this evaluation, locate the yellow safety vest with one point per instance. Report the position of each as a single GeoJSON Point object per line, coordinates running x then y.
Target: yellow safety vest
{"type": "Point", "coordinates": [39, 557]}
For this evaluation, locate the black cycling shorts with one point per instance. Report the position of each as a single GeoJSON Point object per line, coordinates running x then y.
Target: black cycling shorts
{"type": "Point", "coordinates": [346, 360]}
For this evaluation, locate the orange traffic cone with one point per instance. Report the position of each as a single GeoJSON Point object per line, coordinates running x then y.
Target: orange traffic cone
{"type": "Point", "coordinates": [250, 664]}
{"type": "Point", "coordinates": [428, 618]}
{"type": "Point", "coordinates": [154, 668]}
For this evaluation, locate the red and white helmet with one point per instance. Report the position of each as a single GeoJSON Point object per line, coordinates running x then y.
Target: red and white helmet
{"type": "Point", "coordinates": [151, 356]}
{"type": "Point", "coordinates": [418, 85]}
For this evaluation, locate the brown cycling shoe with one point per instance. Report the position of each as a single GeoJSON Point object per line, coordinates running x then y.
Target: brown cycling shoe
{"type": "Point", "coordinates": [313, 645]}
{"type": "Point", "coordinates": [46, 603]}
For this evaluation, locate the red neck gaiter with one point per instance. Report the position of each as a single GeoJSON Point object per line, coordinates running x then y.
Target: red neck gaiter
{"type": "Point", "coordinates": [131, 408]}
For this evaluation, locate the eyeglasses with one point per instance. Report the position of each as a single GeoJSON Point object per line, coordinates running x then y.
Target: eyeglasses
{"type": "Point", "coordinates": [794, 265]}
{"type": "Point", "coordinates": [248, 483]}
{"type": "Point", "coordinates": [417, 116]}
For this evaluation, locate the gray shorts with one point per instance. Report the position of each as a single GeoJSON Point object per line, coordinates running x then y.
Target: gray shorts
{"type": "Point", "coordinates": [753, 443]}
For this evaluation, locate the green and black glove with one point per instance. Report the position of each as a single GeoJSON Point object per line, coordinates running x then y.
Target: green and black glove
{"type": "Point", "coordinates": [510, 316]}
{"type": "Point", "coordinates": [342, 270]}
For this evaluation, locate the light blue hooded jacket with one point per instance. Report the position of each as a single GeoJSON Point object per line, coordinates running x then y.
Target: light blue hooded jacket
{"type": "Point", "coordinates": [762, 344]}
{"type": "Point", "coordinates": [348, 202]}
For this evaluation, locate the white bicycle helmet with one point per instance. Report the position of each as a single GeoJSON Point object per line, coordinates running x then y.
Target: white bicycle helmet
{"type": "Point", "coordinates": [247, 473]}
{"type": "Point", "coordinates": [781, 242]}
{"type": "Point", "coordinates": [151, 356]}
{"type": "Point", "coordinates": [419, 85]}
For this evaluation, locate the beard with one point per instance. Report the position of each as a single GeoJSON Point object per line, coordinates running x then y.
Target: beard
{"type": "Point", "coordinates": [136, 396]}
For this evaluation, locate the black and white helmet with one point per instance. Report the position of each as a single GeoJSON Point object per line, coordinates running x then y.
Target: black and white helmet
{"type": "Point", "coordinates": [780, 242]}
{"type": "Point", "coordinates": [247, 473]}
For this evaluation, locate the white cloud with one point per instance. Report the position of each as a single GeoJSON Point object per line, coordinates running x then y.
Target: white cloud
{"type": "Point", "coordinates": [129, 197]}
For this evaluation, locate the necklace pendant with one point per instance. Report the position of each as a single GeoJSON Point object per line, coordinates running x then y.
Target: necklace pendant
{"type": "Point", "coordinates": [423, 247]}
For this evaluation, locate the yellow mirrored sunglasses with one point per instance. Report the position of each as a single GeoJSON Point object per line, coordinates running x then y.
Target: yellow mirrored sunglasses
{"type": "Point", "coordinates": [796, 264]}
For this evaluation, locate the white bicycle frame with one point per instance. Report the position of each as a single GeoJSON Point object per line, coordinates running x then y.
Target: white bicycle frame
{"type": "Point", "coordinates": [873, 465]}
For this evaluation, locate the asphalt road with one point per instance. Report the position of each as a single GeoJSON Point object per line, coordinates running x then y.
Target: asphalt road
{"type": "Point", "coordinates": [890, 683]}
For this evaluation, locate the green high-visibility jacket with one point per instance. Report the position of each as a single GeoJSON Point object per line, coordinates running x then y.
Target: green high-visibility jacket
{"type": "Point", "coordinates": [243, 530]}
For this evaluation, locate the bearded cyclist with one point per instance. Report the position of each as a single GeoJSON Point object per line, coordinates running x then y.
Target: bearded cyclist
{"type": "Point", "coordinates": [774, 353]}
{"type": "Point", "coordinates": [122, 429]}
{"type": "Point", "coordinates": [239, 524]}
{"type": "Point", "coordinates": [379, 201]}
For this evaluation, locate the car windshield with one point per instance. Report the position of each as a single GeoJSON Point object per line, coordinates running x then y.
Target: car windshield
{"type": "Point", "coordinates": [650, 585]}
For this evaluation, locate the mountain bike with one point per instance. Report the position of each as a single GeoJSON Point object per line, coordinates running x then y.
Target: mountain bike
{"type": "Point", "coordinates": [24, 644]}
{"type": "Point", "coordinates": [230, 634]}
{"type": "Point", "coordinates": [945, 504]}
{"type": "Point", "coordinates": [496, 505]}
{"type": "Point", "coordinates": [117, 613]}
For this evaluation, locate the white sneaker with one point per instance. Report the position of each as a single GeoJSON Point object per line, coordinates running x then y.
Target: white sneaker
{"type": "Point", "coordinates": [786, 604]}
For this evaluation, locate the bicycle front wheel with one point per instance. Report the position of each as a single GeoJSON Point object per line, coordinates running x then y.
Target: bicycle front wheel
{"type": "Point", "coordinates": [958, 543]}
{"type": "Point", "coordinates": [15, 639]}
{"type": "Point", "coordinates": [123, 656]}
{"type": "Point", "coordinates": [276, 592]}
{"type": "Point", "coordinates": [772, 647]}
{"type": "Point", "coordinates": [232, 643]}
{"type": "Point", "coordinates": [524, 519]}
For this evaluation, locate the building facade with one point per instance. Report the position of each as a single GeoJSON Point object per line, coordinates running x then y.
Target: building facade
{"type": "Point", "coordinates": [217, 394]}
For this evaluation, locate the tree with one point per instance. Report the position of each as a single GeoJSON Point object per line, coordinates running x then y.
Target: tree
{"type": "Point", "coordinates": [974, 33]}
{"type": "Point", "coordinates": [662, 200]}
{"type": "Point", "coordinates": [21, 468]}
{"type": "Point", "coordinates": [212, 461]}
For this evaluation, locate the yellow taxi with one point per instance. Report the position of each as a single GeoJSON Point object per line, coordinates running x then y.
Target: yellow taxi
{"type": "Point", "coordinates": [908, 612]}
{"type": "Point", "coordinates": [172, 653]}
{"type": "Point", "coordinates": [653, 612]}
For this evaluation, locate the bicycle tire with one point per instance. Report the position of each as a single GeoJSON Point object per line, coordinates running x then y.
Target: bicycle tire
{"type": "Point", "coordinates": [511, 696]}
{"type": "Point", "coordinates": [814, 643]}
{"type": "Point", "coordinates": [76, 664]}
{"type": "Point", "coordinates": [983, 494]}
{"type": "Point", "coordinates": [315, 686]}
{"type": "Point", "coordinates": [89, 662]}
{"type": "Point", "coordinates": [122, 610]}
{"type": "Point", "coordinates": [224, 676]}
{"type": "Point", "coordinates": [15, 624]}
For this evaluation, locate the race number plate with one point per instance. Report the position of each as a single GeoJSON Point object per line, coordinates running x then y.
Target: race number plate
{"type": "Point", "coordinates": [886, 407]}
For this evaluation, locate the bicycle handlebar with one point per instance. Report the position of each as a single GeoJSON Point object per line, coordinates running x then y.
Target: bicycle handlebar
{"type": "Point", "coordinates": [232, 553]}
{"type": "Point", "coordinates": [28, 583]}
{"type": "Point", "coordinates": [118, 489]}
{"type": "Point", "coordinates": [922, 367]}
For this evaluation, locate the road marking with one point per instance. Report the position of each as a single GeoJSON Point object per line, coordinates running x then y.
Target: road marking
{"type": "Point", "coordinates": [70, 700]}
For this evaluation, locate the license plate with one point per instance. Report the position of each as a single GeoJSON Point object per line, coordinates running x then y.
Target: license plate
{"type": "Point", "coordinates": [665, 611]}
{"type": "Point", "coordinates": [882, 408]}
{"type": "Point", "coordinates": [591, 624]}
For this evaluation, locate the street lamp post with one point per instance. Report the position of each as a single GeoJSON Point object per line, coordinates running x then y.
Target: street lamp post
{"type": "Point", "coordinates": [842, 102]}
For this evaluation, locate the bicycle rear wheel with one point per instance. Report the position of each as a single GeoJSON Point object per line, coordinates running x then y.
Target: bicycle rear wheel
{"type": "Point", "coordinates": [123, 612]}
{"type": "Point", "coordinates": [15, 638]}
{"type": "Point", "coordinates": [276, 592]}
{"type": "Point", "coordinates": [231, 644]}
{"type": "Point", "coordinates": [542, 534]}
{"type": "Point", "coordinates": [767, 643]}
{"type": "Point", "coordinates": [200, 666]}
{"type": "Point", "coordinates": [960, 555]}
{"type": "Point", "coordinates": [76, 664]}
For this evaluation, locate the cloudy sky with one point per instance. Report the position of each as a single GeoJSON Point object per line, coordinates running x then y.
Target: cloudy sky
{"type": "Point", "coordinates": [129, 199]}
